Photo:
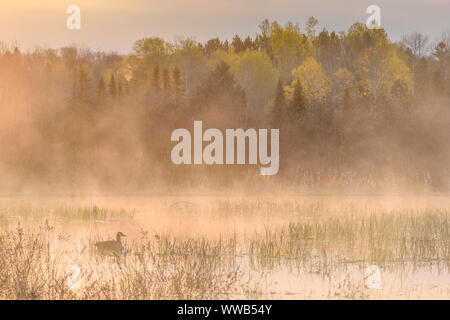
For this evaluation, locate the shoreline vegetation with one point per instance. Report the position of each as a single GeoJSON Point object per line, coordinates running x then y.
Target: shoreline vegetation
{"type": "Point", "coordinates": [357, 112]}
{"type": "Point", "coordinates": [309, 246]}
{"type": "Point", "coordinates": [363, 179]}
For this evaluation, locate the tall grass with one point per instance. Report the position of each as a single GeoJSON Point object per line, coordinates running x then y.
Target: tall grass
{"type": "Point", "coordinates": [162, 268]}
{"type": "Point", "coordinates": [420, 238]}
{"type": "Point", "coordinates": [85, 213]}
{"type": "Point", "coordinates": [332, 245]}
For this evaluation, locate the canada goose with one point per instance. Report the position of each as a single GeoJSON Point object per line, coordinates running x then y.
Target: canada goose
{"type": "Point", "coordinates": [111, 246]}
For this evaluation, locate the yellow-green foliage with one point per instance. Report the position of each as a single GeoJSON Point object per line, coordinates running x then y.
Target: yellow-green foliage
{"type": "Point", "coordinates": [379, 67]}
{"type": "Point", "coordinates": [314, 81]}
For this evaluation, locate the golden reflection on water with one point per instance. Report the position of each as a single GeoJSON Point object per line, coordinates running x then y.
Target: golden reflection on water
{"type": "Point", "coordinates": [216, 218]}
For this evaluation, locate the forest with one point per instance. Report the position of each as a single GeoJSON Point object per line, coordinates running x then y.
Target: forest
{"type": "Point", "coordinates": [357, 112]}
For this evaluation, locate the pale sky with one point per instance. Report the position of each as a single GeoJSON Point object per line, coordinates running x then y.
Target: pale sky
{"type": "Point", "coordinates": [116, 24]}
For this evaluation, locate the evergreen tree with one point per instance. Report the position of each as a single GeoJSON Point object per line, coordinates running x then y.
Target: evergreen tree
{"type": "Point", "coordinates": [213, 45]}
{"type": "Point", "coordinates": [347, 100]}
{"type": "Point", "coordinates": [278, 104]}
{"type": "Point", "coordinates": [178, 85]}
{"type": "Point", "coordinates": [166, 82]}
{"type": "Point", "coordinates": [75, 85]}
{"type": "Point", "coordinates": [155, 81]}
{"type": "Point", "coordinates": [112, 87]}
{"type": "Point", "coordinates": [119, 88]}
{"type": "Point", "coordinates": [83, 84]}
{"type": "Point", "coordinates": [101, 86]}
{"type": "Point", "coordinates": [248, 44]}
{"type": "Point", "coordinates": [238, 44]}
{"type": "Point", "coordinates": [17, 55]}
{"type": "Point", "coordinates": [222, 87]}
{"type": "Point", "coordinates": [298, 103]}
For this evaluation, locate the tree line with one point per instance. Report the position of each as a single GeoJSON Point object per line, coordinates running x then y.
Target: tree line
{"type": "Point", "coordinates": [346, 102]}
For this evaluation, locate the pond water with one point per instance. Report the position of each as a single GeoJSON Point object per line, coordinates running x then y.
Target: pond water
{"type": "Point", "coordinates": [222, 217]}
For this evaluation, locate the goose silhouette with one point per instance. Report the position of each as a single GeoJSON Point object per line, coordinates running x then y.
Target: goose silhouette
{"type": "Point", "coordinates": [111, 246]}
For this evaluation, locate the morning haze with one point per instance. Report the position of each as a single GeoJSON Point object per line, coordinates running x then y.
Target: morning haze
{"type": "Point", "coordinates": [352, 203]}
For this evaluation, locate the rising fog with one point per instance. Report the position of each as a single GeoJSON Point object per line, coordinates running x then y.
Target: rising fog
{"type": "Point", "coordinates": [357, 113]}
